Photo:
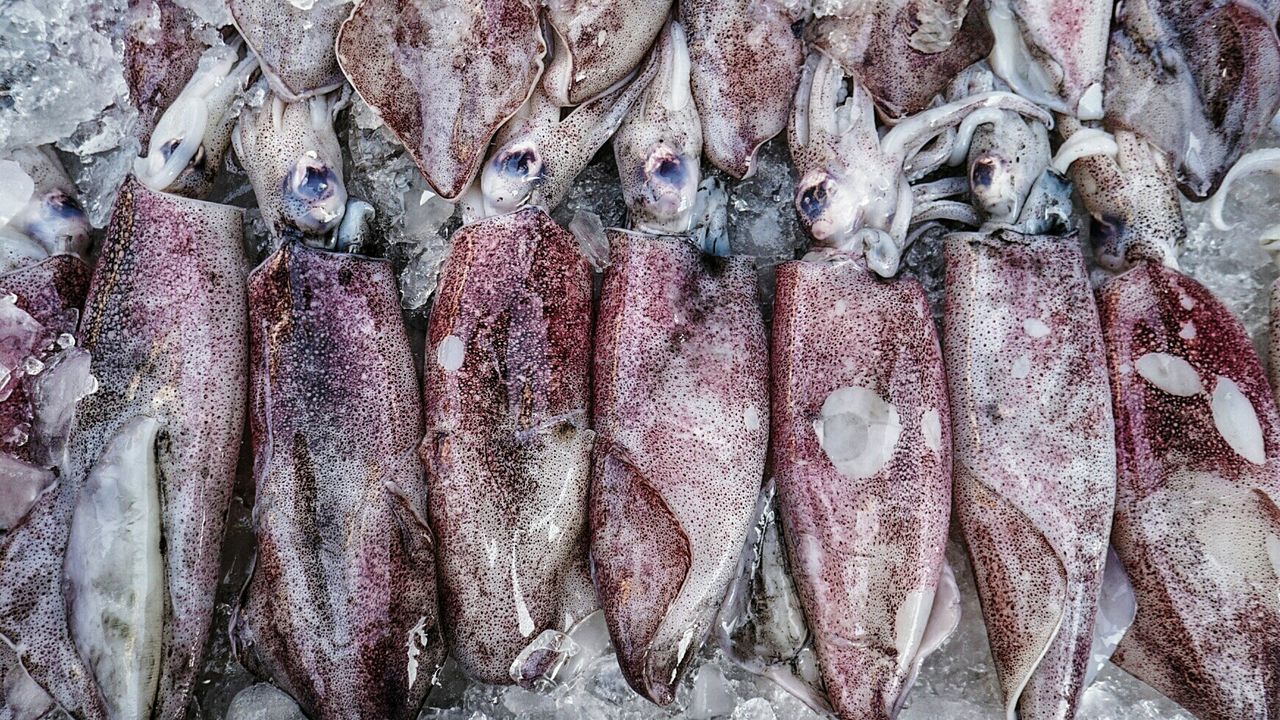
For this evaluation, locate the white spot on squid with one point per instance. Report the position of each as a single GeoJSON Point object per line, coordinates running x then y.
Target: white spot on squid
{"type": "Point", "coordinates": [1170, 373]}
{"type": "Point", "coordinates": [858, 430]}
{"type": "Point", "coordinates": [524, 621]}
{"type": "Point", "coordinates": [1034, 328]}
{"type": "Point", "coordinates": [1021, 366]}
{"type": "Point", "coordinates": [1188, 331]}
{"type": "Point", "coordinates": [417, 642]}
{"type": "Point", "coordinates": [931, 428]}
{"type": "Point", "coordinates": [450, 353]}
{"type": "Point", "coordinates": [751, 418]}
{"type": "Point", "coordinates": [1187, 302]}
{"type": "Point", "coordinates": [1237, 421]}
{"type": "Point", "coordinates": [909, 623]}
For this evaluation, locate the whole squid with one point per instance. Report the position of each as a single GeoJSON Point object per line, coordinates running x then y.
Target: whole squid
{"type": "Point", "coordinates": [746, 62]}
{"type": "Point", "coordinates": [508, 445]}
{"type": "Point", "coordinates": [341, 609]}
{"type": "Point", "coordinates": [597, 43]}
{"type": "Point", "coordinates": [107, 585]}
{"type": "Point", "coordinates": [444, 75]}
{"type": "Point", "coordinates": [1053, 52]}
{"type": "Point", "coordinates": [1197, 438]}
{"type": "Point", "coordinates": [1197, 79]}
{"type": "Point", "coordinates": [1035, 456]}
{"type": "Point", "coordinates": [294, 43]}
{"type": "Point", "coordinates": [903, 52]}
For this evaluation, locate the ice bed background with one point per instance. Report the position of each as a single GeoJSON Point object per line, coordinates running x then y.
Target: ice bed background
{"type": "Point", "coordinates": [61, 81]}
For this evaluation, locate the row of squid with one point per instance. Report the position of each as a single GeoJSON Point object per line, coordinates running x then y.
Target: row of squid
{"type": "Point", "coordinates": [561, 456]}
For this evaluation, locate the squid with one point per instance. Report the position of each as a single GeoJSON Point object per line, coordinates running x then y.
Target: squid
{"type": "Point", "coordinates": [341, 609]}
{"type": "Point", "coordinates": [680, 401]}
{"type": "Point", "coordinates": [291, 153]}
{"type": "Point", "coordinates": [187, 145]}
{"type": "Point", "coordinates": [746, 62]}
{"type": "Point", "coordinates": [541, 149]}
{"type": "Point", "coordinates": [161, 52]}
{"type": "Point", "coordinates": [903, 52]}
{"type": "Point", "coordinates": [1035, 451]}
{"type": "Point", "coordinates": [443, 76]}
{"type": "Point", "coordinates": [1197, 439]}
{"type": "Point", "coordinates": [107, 585]}
{"type": "Point", "coordinates": [293, 42]}
{"type": "Point", "coordinates": [1195, 79]}
{"type": "Point", "coordinates": [596, 44]}
{"type": "Point", "coordinates": [507, 447]}
{"type": "Point", "coordinates": [1054, 52]}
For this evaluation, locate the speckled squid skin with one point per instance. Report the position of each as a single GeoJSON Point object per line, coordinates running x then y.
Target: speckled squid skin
{"type": "Point", "coordinates": [681, 408]}
{"type": "Point", "coordinates": [341, 610]}
{"type": "Point", "coordinates": [507, 446]}
{"type": "Point", "coordinates": [746, 65]}
{"type": "Point", "coordinates": [904, 51]}
{"type": "Point", "coordinates": [1273, 340]}
{"type": "Point", "coordinates": [1196, 78]}
{"type": "Point", "coordinates": [1196, 522]}
{"type": "Point", "coordinates": [1035, 455]}
{"type": "Point", "coordinates": [161, 53]}
{"type": "Point", "coordinates": [295, 46]}
{"type": "Point", "coordinates": [444, 75]}
{"type": "Point", "coordinates": [597, 43]}
{"type": "Point", "coordinates": [178, 356]}
{"type": "Point", "coordinates": [863, 551]}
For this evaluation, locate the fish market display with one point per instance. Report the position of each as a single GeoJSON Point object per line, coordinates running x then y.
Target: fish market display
{"type": "Point", "coordinates": [345, 373]}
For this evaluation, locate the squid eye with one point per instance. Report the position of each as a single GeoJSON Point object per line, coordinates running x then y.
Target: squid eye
{"type": "Point", "coordinates": [167, 149]}
{"type": "Point", "coordinates": [813, 201]}
{"type": "Point", "coordinates": [64, 207]}
{"type": "Point", "coordinates": [522, 162]}
{"type": "Point", "coordinates": [313, 182]}
{"type": "Point", "coordinates": [984, 173]}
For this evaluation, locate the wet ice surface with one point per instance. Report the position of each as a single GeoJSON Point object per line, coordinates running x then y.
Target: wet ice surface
{"type": "Point", "coordinates": [60, 74]}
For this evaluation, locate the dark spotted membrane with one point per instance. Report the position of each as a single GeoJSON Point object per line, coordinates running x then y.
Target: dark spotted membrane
{"type": "Point", "coordinates": [1196, 521]}
{"type": "Point", "coordinates": [1034, 455]}
{"type": "Point", "coordinates": [161, 53]}
{"type": "Point", "coordinates": [165, 326]}
{"type": "Point", "coordinates": [746, 62]}
{"type": "Point", "coordinates": [861, 449]}
{"type": "Point", "coordinates": [507, 446]}
{"type": "Point", "coordinates": [904, 51]}
{"type": "Point", "coordinates": [597, 43]}
{"type": "Point", "coordinates": [681, 408]}
{"type": "Point", "coordinates": [294, 46]}
{"type": "Point", "coordinates": [341, 609]}
{"type": "Point", "coordinates": [1197, 78]}
{"type": "Point", "coordinates": [444, 76]}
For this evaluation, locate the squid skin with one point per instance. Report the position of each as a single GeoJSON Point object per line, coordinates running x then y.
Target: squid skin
{"type": "Point", "coordinates": [597, 43]}
{"type": "Point", "coordinates": [1053, 51]}
{"type": "Point", "coordinates": [341, 609]}
{"type": "Point", "coordinates": [904, 51]}
{"type": "Point", "coordinates": [1198, 81]}
{"type": "Point", "coordinates": [746, 64]}
{"type": "Point", "coordinates": [444, 75]}
{"type": "Point", "coordinates": [1198, 438]}
{"type": "Point", "coordinates": [295, 46]}
{"type": "Point", "coordinates": [161, 52]}
{"type": "Point", "coordinates": [681, 408]}
{"type": "Point", "coordinates": [861, 451]}
{"type": "Point", "coordinates": [1273, 340]}
{"type": "Point", "coordinates": [507, 446]}
{"type": "Point", "coordinates": [1034, 455]}
{"type": "Point", "coordinates": [159, 356]}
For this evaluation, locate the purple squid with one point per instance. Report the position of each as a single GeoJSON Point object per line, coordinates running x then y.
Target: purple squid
{"type": "Point", "coordinates": [1034, 438]}
{"type": "Point", "coordinates": [1052, 51]}
{"type": "Point", "coordinates": [107, 585]}
{"type": "Point", "coordinates": [658, 145]}
{"type": "Point", "coordinates": [1197, 79]}
{"type": "Point", "coordinates": [161, 53]}
{"type": "Point", "coordinates": [291, 153]}
{"type": "Point", "coordinates": [746, 62]}
{"type": "Point", "coordinates": [187, 145]}
{"type": "Point", "coordinates": [596, 44]}
{"type": "Point", "coordinates": [294, 43]}
{"type": "Point", "coordinates": [443, 75]}
{"type": "Point", "coordinates": [681, 411]}
{"type": "Point", "coordinates": [508, 445]}
{"type": "Point", "coordinates": [903, 52]}
{"type": "Point", "coordinates": [541, 149]}
{"type": "Point", "coordinates": [1198, 446]}
{"type": "Point", "coordinates": [341, 609]}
